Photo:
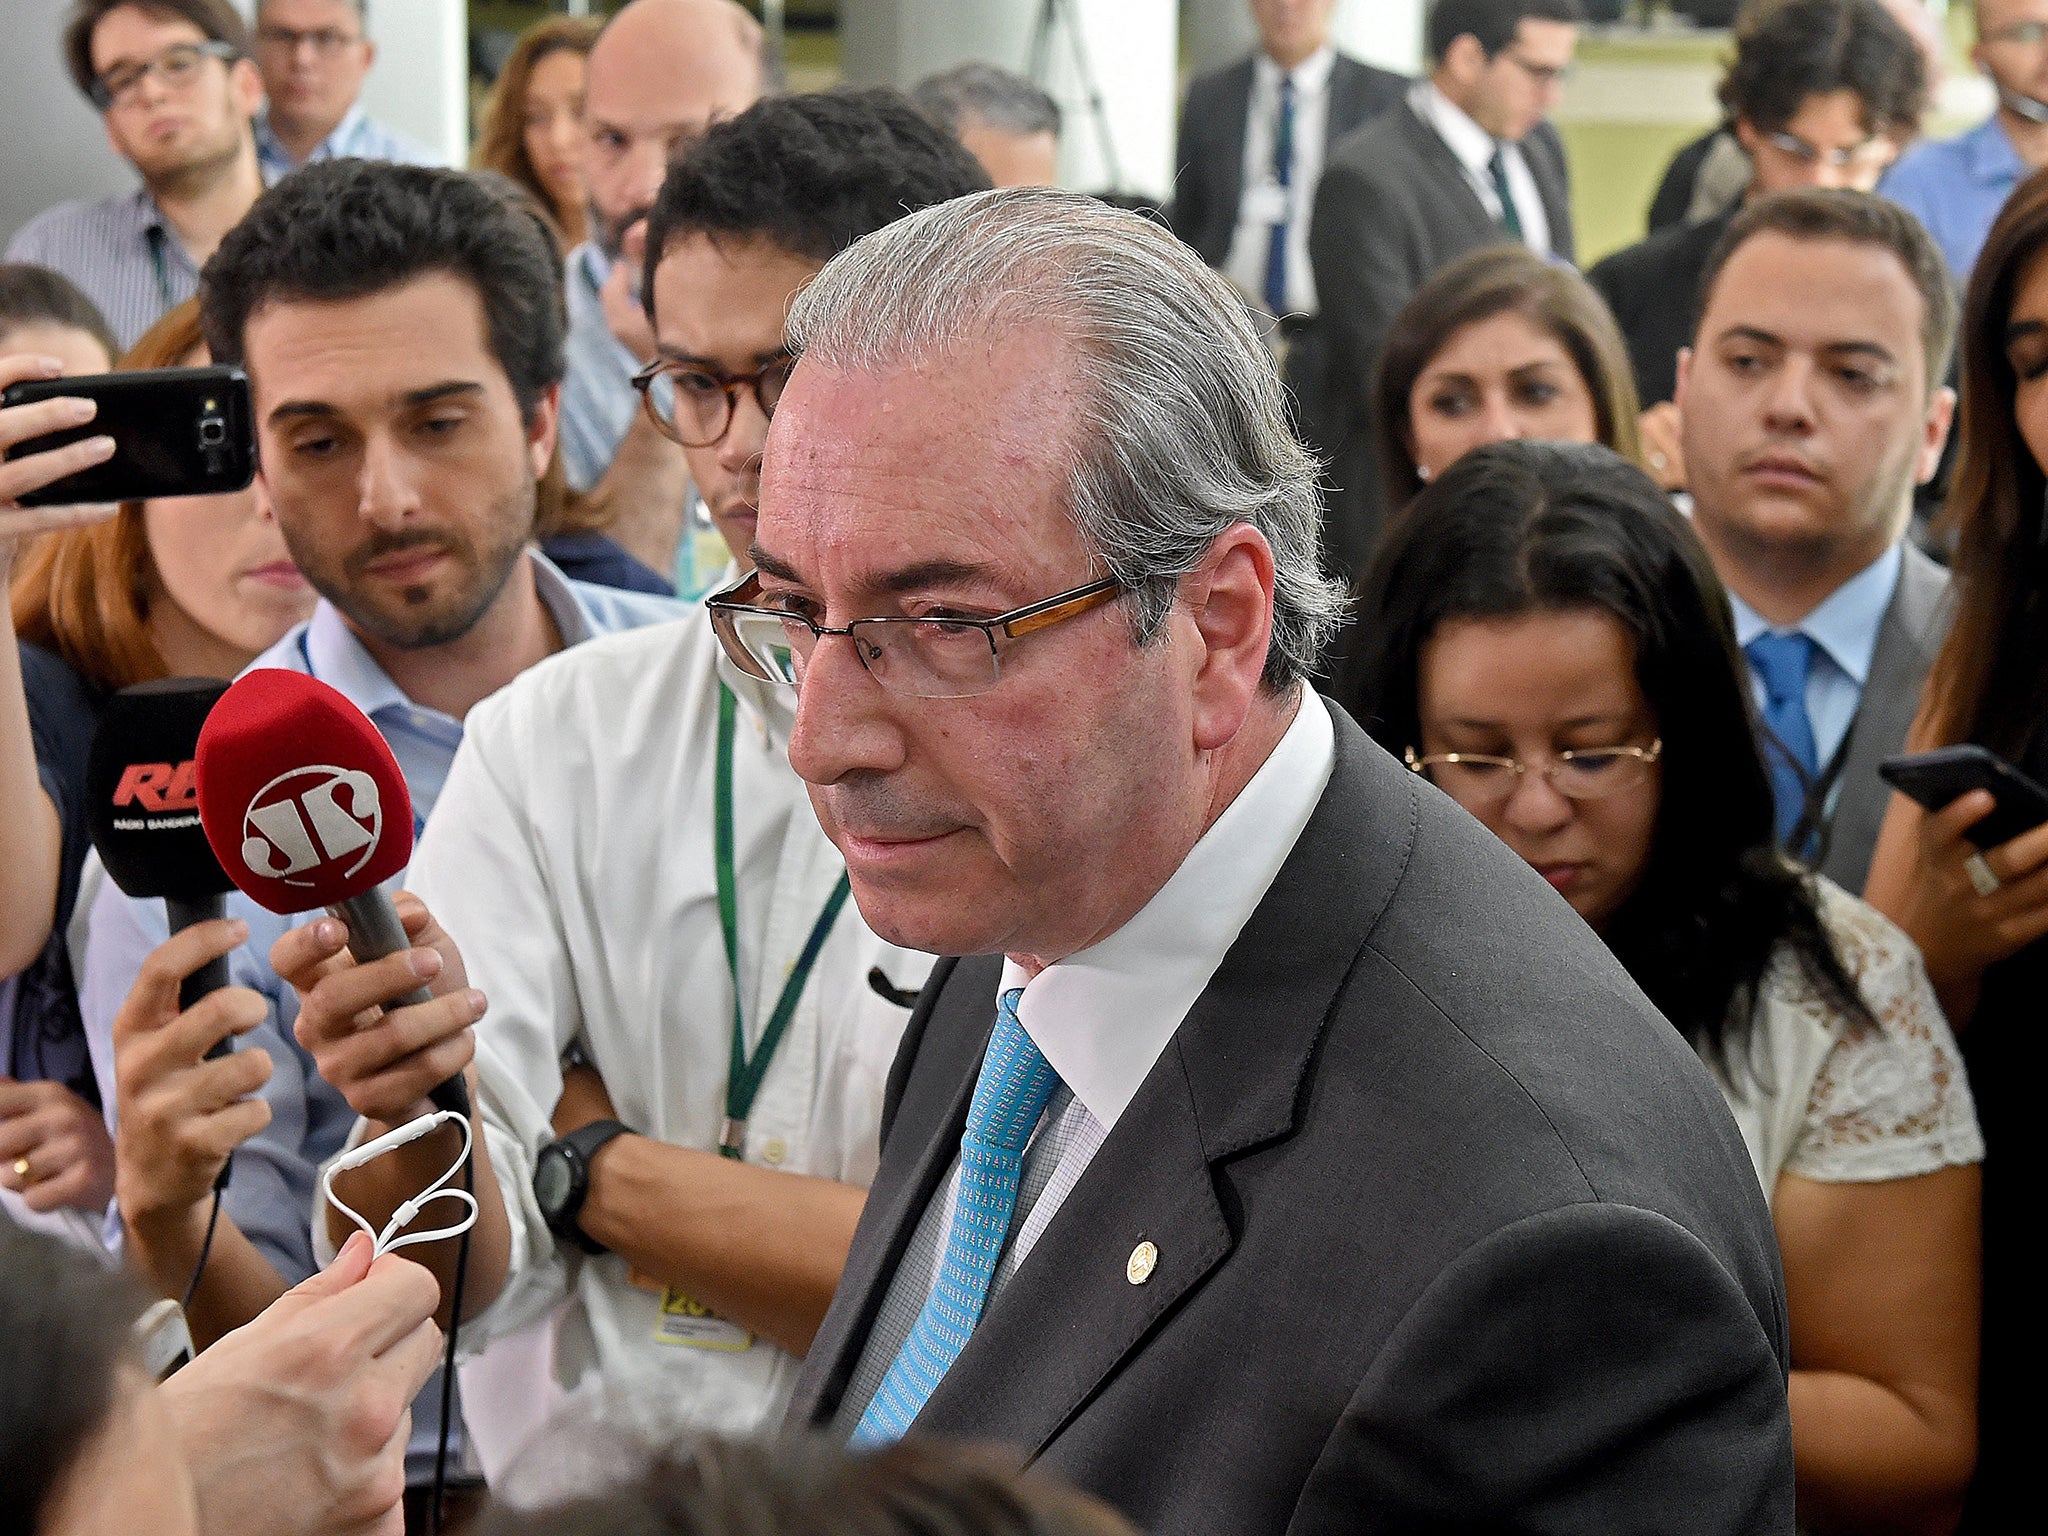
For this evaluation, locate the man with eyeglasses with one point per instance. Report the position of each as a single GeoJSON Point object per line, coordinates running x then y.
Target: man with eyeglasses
{"type": "Point", "coordinates": [1821, 93]}
{"type": "Point", "coordinates": [174, 85]}
{"type": "Point", "coordinates": [1468, 160]}
{"type": "Point", "coordinates": [1956, 186]}
{"type": "Point", "coordinates": [636, 881]}
{"type": "Point", "coordinates": [315, 57]}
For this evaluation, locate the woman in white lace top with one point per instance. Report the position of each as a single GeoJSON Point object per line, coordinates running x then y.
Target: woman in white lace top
{"type": "Point", "coordinates": [1545, 640]}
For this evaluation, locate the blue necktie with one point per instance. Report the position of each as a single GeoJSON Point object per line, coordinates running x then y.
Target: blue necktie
{"type": "Point", "coordinates": [1283, 174]}
{"type": "Point", "coordinates": [1009, 1096]}
{"type": "Point", "coordinates": [1783, 663]}
{"type": "Point", "coordinates": [1497, 167]}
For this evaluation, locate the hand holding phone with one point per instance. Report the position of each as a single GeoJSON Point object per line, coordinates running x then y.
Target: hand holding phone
{"type": "Point", "coordinates": [175, 431]}
{"type": "Point", "coordinates": [1939, 778]}
{"type": "Point", "coordinates": [24, 473]}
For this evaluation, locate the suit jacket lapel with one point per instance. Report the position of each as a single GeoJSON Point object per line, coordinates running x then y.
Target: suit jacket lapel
{"type": "Point", "coordinates": [1070, 1315]}
{"type": "Point", "coordinates": [1237, 106]}
{"type": "Point", "coordinates": [1450, 187]}
{"type": "Point", "coordinates": [1544, 150]}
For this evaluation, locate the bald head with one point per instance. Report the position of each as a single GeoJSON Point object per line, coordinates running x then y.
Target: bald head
{"type": "Point", "coordinates": [661, 70]}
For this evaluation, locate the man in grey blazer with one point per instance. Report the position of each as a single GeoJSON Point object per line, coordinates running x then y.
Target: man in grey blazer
{"type": "Point", "coordinates": [1284, 1155]}
{"type": "Point", "coordinates": [1467, 160]}
{"type": "Point", "coordinates": [1253, 140]}
{"type": "Point", "coordinates": [1810, 407]}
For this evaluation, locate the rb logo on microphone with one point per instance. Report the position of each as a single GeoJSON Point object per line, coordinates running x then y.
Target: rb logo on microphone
{"type": "Point", "coordinates": [309, 818]}
{"type": "Point", "coordinates": [157, 787]}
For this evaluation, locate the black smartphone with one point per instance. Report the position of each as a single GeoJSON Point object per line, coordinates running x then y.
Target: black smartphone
{"type": "Point", "coordinates": [176, 432]}
{"type": "Point", "coordinates": [1937, 778]}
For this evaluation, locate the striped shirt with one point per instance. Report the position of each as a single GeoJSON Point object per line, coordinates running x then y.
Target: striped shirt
{"type": "Point", "coordinates": [119, 252]}
{"type": "Point", "coordinates": [598, 398]}
{"type": "Point", "coordinates": [358, 136]}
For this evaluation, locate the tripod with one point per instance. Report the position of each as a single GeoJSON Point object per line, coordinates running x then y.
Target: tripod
{"type": "Point", "coordinates": [1061, 15]}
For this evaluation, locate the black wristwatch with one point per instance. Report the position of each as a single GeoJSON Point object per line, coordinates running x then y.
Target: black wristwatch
{"type": "Point", "coordinates": [561, 1180]}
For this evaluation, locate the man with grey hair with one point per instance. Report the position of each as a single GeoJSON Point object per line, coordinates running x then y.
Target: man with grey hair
{"type": "Point", "coordinates": [1282, 1154]}
{"type": "Point", "coordinates": [1006, 122]}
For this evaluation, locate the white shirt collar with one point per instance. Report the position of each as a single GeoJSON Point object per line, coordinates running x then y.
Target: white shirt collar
{"type": "Point", "coordinates": [1103, 1015]}
{"type": "Point", "coordinates": [1311, 76]}
{"type": "Point", "coordinates": [1472, 144]}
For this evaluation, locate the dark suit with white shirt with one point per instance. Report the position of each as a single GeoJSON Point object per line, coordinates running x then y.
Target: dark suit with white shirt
{"type": "Point", "coordinates": [1209, 185]}
{"type": "Point", "coordinates": [1449, 1230]}
{"type": "Point", "coordinates": [1395, 205]}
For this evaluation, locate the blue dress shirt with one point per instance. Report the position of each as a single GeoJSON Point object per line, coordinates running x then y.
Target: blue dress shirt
{"type": "Point", "coordinates": [1844, 631]}
{"type": "Point", "coordinates": [1956, 186]}
{"type": "Point", "coordinates": [598, 398]}
{"type": "Point", "coordinates": [358, 136]}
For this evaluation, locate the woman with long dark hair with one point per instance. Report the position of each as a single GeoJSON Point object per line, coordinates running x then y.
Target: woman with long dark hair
{"type": "Point", "coordinates": [1547, 643]}
{"type": "Point", "coordinates": [1981, 917]}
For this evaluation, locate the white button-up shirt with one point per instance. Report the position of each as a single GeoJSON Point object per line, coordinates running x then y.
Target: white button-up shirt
{"type": "Point", "coordinates": [570, 856]}
{"type": "Point", "coordinates": [1251, 245]}
{"type": "Point", "coordinates": [1474, 147]}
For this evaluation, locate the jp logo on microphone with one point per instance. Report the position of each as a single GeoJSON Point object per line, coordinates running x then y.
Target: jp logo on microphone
{"type": "Point", "coordinates": [317, 823]}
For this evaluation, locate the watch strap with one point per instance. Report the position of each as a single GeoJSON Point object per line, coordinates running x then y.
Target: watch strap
{"type": "Point", "coordinates": [583, 1144]}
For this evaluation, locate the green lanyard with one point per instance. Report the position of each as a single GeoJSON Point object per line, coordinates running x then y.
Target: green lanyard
{"type": "Point", "coordinates": [743, 1076]}
{"type": "Point", "coordinates": [155, 238]}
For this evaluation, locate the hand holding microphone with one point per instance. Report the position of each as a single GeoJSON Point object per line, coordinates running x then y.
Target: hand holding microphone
{"type": "Point", "coordinates": [305, 806]}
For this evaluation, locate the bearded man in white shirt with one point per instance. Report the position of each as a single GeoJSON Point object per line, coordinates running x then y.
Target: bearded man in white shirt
{"type": "Point", "coordinates": [635, 881]}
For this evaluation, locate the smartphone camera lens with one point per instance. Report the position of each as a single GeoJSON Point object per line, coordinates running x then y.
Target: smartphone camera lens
{"type": "Point", "coordinates": [213, 431]}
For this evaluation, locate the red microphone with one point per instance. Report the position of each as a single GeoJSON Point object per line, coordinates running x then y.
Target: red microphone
{"type": "Point", "coordinates": [305, 807]}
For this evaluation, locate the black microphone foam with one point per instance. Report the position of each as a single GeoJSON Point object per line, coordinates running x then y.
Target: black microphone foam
{"type": "Point", "coordinates": [142, 803]}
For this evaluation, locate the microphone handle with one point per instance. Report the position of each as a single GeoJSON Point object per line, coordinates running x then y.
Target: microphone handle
{"type": "Point", "coordinates": [374, 931]}
{"type": "Point", "coordinates": [213, 975]}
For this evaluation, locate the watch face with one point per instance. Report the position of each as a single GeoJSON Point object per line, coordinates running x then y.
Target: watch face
{"type": "Point", "coordinates": [552, 1181]}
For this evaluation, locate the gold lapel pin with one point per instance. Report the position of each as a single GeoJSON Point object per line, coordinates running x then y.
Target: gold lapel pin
{"type": "Point", "coordinates": [1144, 1259]}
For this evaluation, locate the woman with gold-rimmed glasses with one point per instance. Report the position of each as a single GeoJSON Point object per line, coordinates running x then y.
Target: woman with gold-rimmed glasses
{"type": "Point", "coordinates": [1546, 642]}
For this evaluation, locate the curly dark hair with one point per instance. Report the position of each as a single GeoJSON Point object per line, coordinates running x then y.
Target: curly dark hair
{"type": "Point", "coordinates": [1800, 48]}
{"type": "Point", "coordinates": [1493, 22]}
{"type": "Point", "coordinates": [1528, 527]}
{"type": "Point", "coordinates": [810, 174]}
{"type": "Point", "coordinates": [346, 229]}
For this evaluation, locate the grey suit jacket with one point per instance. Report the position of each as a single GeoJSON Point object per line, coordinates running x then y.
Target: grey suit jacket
{"type": "Point", "coordinates": [1208, 177]}
{"type": "Point", "coordinates": [1453, 1231]}
{"type": "Point", "coordinates": [1908, 638]}
{"type": "Point", "coordinates": [1393, 208]}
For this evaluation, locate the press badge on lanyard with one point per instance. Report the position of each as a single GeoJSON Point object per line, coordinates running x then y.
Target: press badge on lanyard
{"type": "Point", "coordinates": [684, 1320]}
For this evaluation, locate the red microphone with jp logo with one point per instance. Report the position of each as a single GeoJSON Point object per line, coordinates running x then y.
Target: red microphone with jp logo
{"type": "Point", "coordinates": [305, 807]}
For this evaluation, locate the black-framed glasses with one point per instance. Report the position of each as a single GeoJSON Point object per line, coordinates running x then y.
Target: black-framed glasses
{"type": "Point", "coordinates": [1580, 773]}
{"type": "Point", "coordinates": [693, 406]}
{"type": "Point", "coordinates": [326, 42]}
{"type": "Point", "coordinates": [1540, 75]}
{"type": "Point", "coordinates": [1871, 151]}
{"type": "Point", "coordinates": [176, 66]}
{"type": "Point", "coordinates": [949, 658]}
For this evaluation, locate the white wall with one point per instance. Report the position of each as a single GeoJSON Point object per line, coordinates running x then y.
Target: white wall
{"type": "Point", "coordinates": [1132, 48]}
{"type": "Point", "coordinates": [52, 147]}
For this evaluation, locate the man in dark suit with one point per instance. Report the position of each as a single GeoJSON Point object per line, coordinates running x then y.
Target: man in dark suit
{"type": "Point", "coordinates": [1253, 139]}
{"type": "Point", "coordinates": [1466, 161]}
{"type": "Point", "coordinates": [1285, 1156]}
{"type": "Point", "coordinates": [1810, 406]}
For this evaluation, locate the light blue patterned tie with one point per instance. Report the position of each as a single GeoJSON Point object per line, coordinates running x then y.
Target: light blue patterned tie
{"type": "Point", "coordinates": [1009, 1096]}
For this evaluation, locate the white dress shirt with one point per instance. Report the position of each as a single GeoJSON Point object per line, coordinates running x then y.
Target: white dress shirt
{"type": "Point", "coordinates": [1251, 245]}
{"type": "Point", "coordinates": [570, 856]}
{"type": "Point", "coordinates": [1103, 1016]}
{"type": "Point", "coordinates": [1474, 147]}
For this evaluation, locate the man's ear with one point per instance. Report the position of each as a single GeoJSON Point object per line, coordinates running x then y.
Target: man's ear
{"type": "Point", "coordinates": [245, 85]}
{"type": "Point", "coordinates": [1684, 375]}
{"type": "Point", "coordinates": [542, 428]}
{"type": "Point", "coordinates": [1229, 599]}
{"type": "Point", "coordinates": [1747, 136]}
{"type": "Point", "coordinates": [1941, 415]}
{"type": "Point", "coordinates": [1465, 60]}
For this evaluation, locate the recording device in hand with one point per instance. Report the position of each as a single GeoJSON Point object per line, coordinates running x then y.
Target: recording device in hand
{"type": "Point", "coordinates": [142, 799]}
{"type": "Point", "coordinates": [306, 807]}
{"type": "Point", "coordinates": [176, 432]}
{"type": "Point", "coordinates": [1937, 778]}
